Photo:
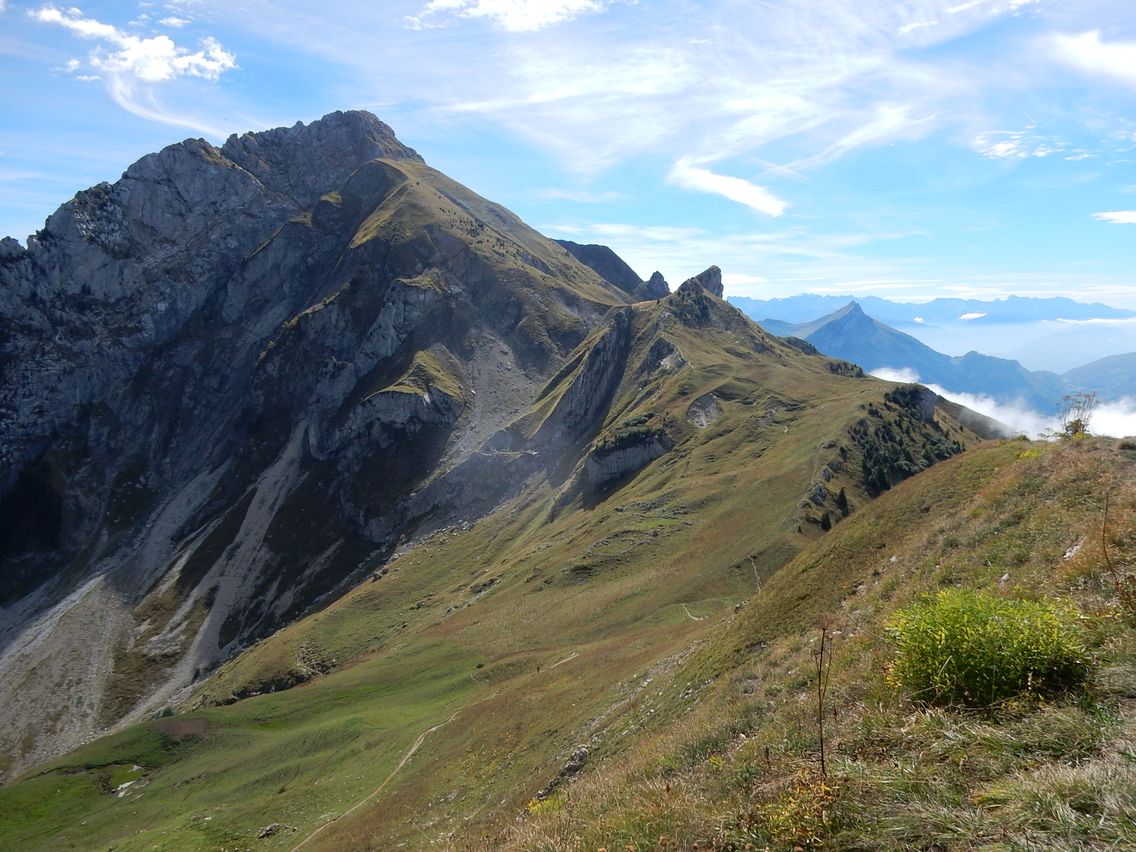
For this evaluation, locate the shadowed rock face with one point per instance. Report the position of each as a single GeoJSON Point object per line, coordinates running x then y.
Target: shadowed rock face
{"type": "Point", "coordinates": [612, 268]}
{"type": "Point", "coordinates": [656, 287]}
{"type": "Point", "coordinates": [227, 378]}
{"type": "Point", "coordinates": [607, 263]}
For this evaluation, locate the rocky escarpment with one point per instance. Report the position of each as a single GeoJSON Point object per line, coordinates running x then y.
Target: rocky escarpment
{"type": "Point", "coordinates": [231, 380]}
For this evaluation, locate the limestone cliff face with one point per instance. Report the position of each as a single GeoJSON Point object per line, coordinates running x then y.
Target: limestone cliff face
{"type": "Point", "coordinates": [578, 410]}
{"type": "Point", "coordinates": [230, 379]}
{"type": "Point", "coordinates": [622, 455]}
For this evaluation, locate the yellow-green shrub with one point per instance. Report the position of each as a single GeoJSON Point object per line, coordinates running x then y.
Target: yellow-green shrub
{"type": "Point", "coordinates": [974, 648]}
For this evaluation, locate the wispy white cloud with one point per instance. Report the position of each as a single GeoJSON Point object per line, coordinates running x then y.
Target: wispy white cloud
{"type": "Point", "coordinates": [1089, 53]}
{"type": "Point", "coordinates": [790, 259]}
{"type": "Point", "coordinates": [151, 60]}
{"type": "Point", "coordinates": [175, 22]}
{"type": "Point", "coordinates": [1117, 217]}
{"type": "Point", "coordinates": [513, 15]}
{"type": "Point", "coordinates": [1099, 322]}
{"type": "Point", "coordinates": [133, 64]}
{"type": "Point", "coordinates": [1020, 145]}
{"type": "Point", "coordinates": [907, 29]}
{"type": "Point", "coordinates": [887, 122]}
{"type": "Point", "coordinates": [685, 174]}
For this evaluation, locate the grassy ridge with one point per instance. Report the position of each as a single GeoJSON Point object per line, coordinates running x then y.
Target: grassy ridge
{"type": "Point", "coordinates": [739, 766]}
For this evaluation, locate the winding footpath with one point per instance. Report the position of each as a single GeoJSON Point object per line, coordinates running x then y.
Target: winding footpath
{"type": "Point", "coordinates": [370, 797]}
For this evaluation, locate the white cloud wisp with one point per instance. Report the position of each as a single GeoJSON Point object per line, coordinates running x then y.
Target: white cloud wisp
{"type": "Point", "coordinates": [512, 15]}
{"type": "Point", "coordinates": [1117, 217]}
{"type": "Point", "coordinates": [685, 174]}
{"type": "Point", "coordinates": [133, 65]}
{"type": "Point", "coordinates": [1087, 52]}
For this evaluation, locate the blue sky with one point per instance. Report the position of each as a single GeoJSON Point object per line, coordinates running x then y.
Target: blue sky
{"type": "Point", "coordinates": [906, 149]}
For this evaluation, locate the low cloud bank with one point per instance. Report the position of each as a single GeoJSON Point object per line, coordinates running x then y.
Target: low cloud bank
{"type": "Point", "coordinates": [1116, 419]}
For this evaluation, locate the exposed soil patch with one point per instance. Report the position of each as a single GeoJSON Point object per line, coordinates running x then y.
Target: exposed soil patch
{"type": "Point", "coordinates": [180, 728]}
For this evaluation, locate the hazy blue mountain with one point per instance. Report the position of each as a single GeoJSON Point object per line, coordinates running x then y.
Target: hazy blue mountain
{"type": "Point", "coordinates": [851, 334]}
{"type": "Point", "coordinates": [1110, 378]}
{"type": "Point", "coordinates": [805, 307]}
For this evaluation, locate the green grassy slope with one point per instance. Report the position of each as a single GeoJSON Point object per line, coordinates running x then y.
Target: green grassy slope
{"type": "Point", "coordinates": [438, 697]}
{"type": "Point", "coordinates": [738, 763]}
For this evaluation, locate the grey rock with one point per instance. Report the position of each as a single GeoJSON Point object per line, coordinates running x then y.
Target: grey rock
{"type": "Point", "coordinates": [704, 411]}
{"type": "Point", "coordinates": [572, 767]}
{"type": "Point", "coordinates": [624, 455]}
{"type": "Point", "coordinates": [656, 287]}
{"type": "Point", "coordinates": [710, 280]}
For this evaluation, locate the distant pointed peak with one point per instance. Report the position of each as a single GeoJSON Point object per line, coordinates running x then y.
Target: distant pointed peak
{"type": "Point", "coordinates": [656, 286]}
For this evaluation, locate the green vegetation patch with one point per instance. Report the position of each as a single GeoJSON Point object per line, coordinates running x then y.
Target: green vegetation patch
{"type": "Point", "coordinates": [973, 648]}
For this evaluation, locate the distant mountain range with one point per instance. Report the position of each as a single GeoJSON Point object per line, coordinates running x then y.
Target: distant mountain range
{"type": "Point", "coordinates": [1054, 334]}
{"type": "Point", "coordinates": [1014, 309]}
{"type": "Point", "coordinates": [851, 334]}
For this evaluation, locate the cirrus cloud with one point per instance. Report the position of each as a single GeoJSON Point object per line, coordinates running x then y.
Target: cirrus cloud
{"type": "Point", "coordinates": [1117, 217]}
{"type": "Point", "coordinates": [685, 174]}
{"type": "Point", "coordinates": [513, 15]}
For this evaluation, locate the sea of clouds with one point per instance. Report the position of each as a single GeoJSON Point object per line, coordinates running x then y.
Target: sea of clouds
{"type": "Point", "coordinates": [1117, 419]}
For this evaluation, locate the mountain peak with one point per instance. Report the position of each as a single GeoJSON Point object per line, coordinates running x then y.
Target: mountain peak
{"type": "Point", "coordinates": [305, 160]}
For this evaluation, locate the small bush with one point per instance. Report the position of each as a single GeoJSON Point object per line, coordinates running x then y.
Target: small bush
{"type": "Point", "coordinates": [972, 648]}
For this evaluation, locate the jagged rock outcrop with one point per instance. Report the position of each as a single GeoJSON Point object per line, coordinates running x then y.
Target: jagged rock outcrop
{"type": "Point", "coordinates": [587, 393]}
{"type": "Point", "coordinates": [704, 411]}
{"type": "Point", "coordinates": [232, 378]}
{"type": "Point", "coordinates": [622, 454]}
{"type": "Point", "coordinates": [710, 280]}
{"type": "Point", "coordinates": [656, 287]}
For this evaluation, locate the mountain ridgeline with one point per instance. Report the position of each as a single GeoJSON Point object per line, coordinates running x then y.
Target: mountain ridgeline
{"type": "Point", "coordinates": [242, 385]}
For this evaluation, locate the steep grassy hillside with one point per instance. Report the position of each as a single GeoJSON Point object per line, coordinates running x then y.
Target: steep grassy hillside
{"type": "Point", "coordinates": [671, 468]}
{"type": "Point", "coordinates": [738, 766]}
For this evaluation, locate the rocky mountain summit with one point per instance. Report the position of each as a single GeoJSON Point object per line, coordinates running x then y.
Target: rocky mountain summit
{"type": "Point", "coordinates": [231, 377]}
